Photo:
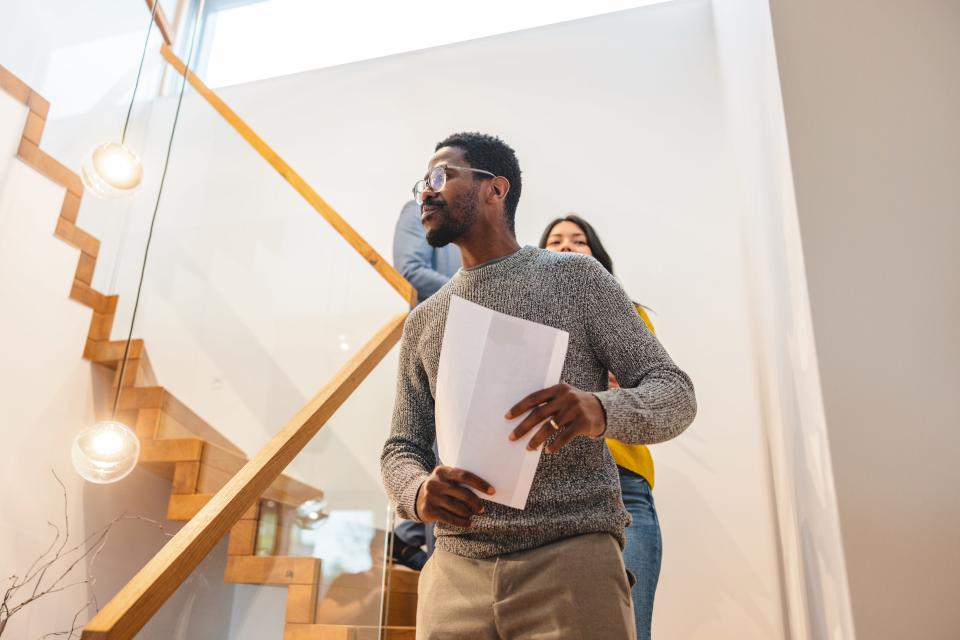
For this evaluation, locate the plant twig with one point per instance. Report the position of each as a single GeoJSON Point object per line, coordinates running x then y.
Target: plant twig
{"type": "Point", "coordinates": [88, 549]}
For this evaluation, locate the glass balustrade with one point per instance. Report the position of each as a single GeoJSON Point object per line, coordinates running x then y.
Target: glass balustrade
{"type": "Point", "coordinates": [225, 302]}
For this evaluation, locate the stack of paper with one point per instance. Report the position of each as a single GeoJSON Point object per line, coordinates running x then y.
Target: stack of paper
{"type": "Point", "coordinates": [490, 361]}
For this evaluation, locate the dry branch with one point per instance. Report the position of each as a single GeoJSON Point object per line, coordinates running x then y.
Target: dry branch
{"type": "Point", "coordinates": [60, 563]}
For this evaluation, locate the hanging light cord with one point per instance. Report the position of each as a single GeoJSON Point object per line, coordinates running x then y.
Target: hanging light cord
{"type": "Point", "coordinates": [156, 207]}
{"type": "Point", "coordinates": [136, 83]}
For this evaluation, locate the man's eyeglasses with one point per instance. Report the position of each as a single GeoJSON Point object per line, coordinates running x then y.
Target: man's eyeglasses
{"type": "Point", "coordinates": [438, 179]}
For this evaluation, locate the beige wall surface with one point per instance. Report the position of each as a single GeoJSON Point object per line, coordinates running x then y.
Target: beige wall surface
{"type": "Point", "coordinates": [871, 93]}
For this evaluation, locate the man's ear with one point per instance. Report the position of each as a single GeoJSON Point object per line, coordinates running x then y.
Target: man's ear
{"type": "Point", "coordinates": [499, 187]}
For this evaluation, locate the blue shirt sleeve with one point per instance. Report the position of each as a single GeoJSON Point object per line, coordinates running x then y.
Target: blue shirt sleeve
{"type": "Point", "coordinates": [413, 256]}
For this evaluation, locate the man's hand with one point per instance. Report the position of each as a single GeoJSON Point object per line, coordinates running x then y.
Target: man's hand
{"type": "Point", "coordinates": [444, 496]}
{"type": "Point", "coordinates": [560, 409]}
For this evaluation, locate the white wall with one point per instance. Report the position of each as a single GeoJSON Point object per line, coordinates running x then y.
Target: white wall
{"type": "Point", "coordinates": [641, 121]}
{"type": "Point", "coordinates": [48, 394]}
{"type": "Point", "coordinates": [817, 598]}
{"type": "Point", "coordinates": [622, 118]}
{"type": "Point", "coordinates": [83, 58]}
{"type": "Point", "coordinates": [871, 94]}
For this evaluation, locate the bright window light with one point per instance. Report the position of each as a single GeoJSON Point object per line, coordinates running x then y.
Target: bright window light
{"type": "Point", "coordinates": [249, 41]}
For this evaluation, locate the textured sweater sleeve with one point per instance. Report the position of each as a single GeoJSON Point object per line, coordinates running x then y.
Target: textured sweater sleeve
{"type": "Point", "coordinates": [655, 401]}
{"type": "Point", "coordinates": [408, 456]}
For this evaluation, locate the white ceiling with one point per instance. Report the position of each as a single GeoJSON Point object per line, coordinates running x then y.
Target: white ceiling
{"type": "Point", "coordinates": [255, 40]}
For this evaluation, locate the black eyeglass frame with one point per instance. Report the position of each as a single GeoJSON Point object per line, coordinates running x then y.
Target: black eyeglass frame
{"type": "Point", "coordinates": [439, 175]}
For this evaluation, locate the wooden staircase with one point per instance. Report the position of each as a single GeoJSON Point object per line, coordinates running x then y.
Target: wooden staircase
{"type": "Point", "coordinates": [178, 444]}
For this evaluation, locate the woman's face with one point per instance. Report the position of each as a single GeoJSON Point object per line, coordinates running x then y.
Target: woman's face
{"type": "Point", "coordinates": [568, 236]}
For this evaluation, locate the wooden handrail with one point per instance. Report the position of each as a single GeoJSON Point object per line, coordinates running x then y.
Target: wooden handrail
{"type": "Point", "coordinates": [384, 268]}
{"type": "Point", "coordinates": [143, 596]}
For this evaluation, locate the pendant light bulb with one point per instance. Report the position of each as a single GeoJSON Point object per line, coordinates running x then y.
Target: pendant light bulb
{"type": "Point", "coordinates": [111, 170]}
{"type": "Point", "coordinates": [106, 452]}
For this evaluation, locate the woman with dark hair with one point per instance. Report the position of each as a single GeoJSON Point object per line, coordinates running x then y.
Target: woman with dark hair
{"type": "Point", "coordinates": [643, 548]}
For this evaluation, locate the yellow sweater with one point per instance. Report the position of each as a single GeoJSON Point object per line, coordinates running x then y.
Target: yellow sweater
{"type": "Point", "coordinates": [635, 457]}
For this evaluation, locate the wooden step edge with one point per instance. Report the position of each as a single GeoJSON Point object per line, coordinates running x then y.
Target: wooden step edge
{"type": "Point", "coordinates": [275, 570]}
{"type": "Point", "coordinates": [139, 398]}
{"type": "Point", "coordinates": [185, 476]}
{"type": "Point", "coordinates": [88, 296]}
{"type": "Point", "coordinates": [77, 237]}
{"type": "Point", "coordinates": [47, 165]}
{"type": "Point", "coordinates": [182, 507]}
{"type": "Point", "coordinates": [302, 603]}
{"type": "Point", "coordinates": [171, 450]}
{"type": "Point", "coordinates": [33, 129]}
{"type": "Point", "coordinates": [86, 265]}
{"type": "Point", "coordinates": [111, 352]}
{"type": "Point", "coordinates": [70, 209]}
{"type": "Point", "coordinates": [243, 538]}
{"type": "Point", "coordinates": [127, 376]}
{"type": "Point", "coordinates": [14, 86]}
{"type": "Point", "coordinates": [101, 324]}
{"type": "Point", "coordinates": [403, 579]}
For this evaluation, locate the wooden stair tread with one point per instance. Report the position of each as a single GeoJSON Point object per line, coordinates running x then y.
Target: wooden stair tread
{"type": "Point", "coordinates": [90, 297]}
{"type": "Point", "coordinates": [345, 632]}
{"type": "Point", "coordinates": [220, 459]}
{"type": "Point", "coordinates": [248, 569]}
{"type": "Point", "coordinates": [137, 398]}
{"type": "Point", "coordinates": [219, 465]}
{"type": "Point", "coordinates": [185, 506]}
{"type": "Point", "coordinates": [402, 579]}
{"type": "Point", "coordinates": [283, 570]}
{"type": "Point", "coordinates": [110, 352]}
{"type": "Point", "coordinates": [171, 450]}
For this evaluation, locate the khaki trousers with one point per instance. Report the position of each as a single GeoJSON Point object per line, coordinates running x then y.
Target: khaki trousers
{"type": "Point", "coordinates": [570, 590]}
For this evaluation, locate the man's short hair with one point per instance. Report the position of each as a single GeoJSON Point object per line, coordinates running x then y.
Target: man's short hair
{"type": "Point", "coordinates": [492, 154]}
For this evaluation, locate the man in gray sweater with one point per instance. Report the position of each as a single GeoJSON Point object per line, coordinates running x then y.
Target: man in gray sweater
{"type": "Point", "coordinates": [553, 569]}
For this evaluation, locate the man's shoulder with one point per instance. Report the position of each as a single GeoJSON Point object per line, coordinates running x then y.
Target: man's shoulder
{"type": "Point", "coordinates": [565, 264]}
{"type": "Point", "coordinates": [430, 309]}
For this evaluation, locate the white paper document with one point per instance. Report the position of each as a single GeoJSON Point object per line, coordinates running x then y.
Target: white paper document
{"type": "Point", "coordinates": [490, 361]}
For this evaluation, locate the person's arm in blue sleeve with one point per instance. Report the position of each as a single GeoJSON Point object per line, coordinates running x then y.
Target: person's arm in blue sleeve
{"type": "Point", "coordinates": [412, 254]}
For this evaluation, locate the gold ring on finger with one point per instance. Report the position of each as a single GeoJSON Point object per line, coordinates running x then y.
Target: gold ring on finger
{"type": "Point", "coordinates": [553, 423]}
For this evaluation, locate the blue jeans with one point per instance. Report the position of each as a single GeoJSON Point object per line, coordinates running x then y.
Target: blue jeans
{"type": "Point", "coordinates": [643, 549]}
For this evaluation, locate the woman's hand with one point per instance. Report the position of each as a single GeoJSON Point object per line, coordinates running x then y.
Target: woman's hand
{"type": "Point", "coordinates": [560, 409]}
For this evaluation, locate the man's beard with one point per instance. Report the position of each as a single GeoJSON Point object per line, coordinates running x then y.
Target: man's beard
{"type": "Point", "coordinates": [450, 229]}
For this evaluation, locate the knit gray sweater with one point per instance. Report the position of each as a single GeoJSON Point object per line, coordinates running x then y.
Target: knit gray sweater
{"type": "Point", "coordinates": [576, 490]}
